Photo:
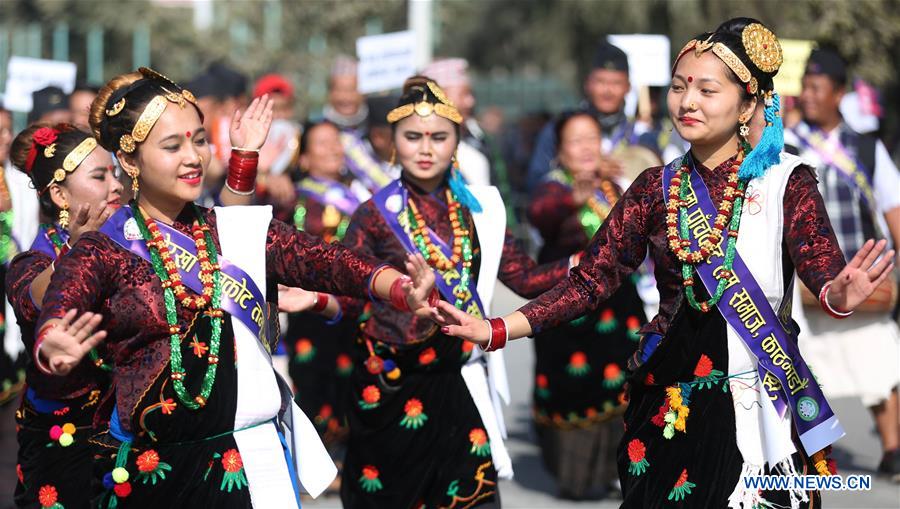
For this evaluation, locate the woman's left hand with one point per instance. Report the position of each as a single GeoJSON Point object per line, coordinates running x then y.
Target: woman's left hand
{"type": "Point", "coordinates": [420, 286]}
{"type": "Point", "coordinates": [295, 300]}
{"type": "Point", "coordinates": [861, 276]}
{"type": "Point", "coordinates": [250, 129]}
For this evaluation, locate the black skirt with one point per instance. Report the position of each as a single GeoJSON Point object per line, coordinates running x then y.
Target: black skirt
{"type": "Point", "coordinates": [695, 462]}
{"type": "Point", "coordinates": [55, 457]}
{"type": "Point", "coordinates": [416, 437]}
{"type": "Point", "coordinates": [579, 393]}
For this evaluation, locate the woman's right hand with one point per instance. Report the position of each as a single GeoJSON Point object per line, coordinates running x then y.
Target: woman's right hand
{"type": "Point", "coordinates": [456, 322]}
{"type": "Point", "coordinates": [88, 219]}
{"type": "Point", "coordinates": [66, 343]}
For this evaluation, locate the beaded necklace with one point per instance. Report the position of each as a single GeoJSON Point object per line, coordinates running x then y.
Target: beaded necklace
{"type": "Point", "coordinates": [340, 230]}
{"type": "Point", "coordinates": [678, 233]}
{"type": "Point", "coordinates": [594, 213]}
{"type": "Point", "coordinates": [165, 268]}
{"type": "Point", "coordinates": [462, 244]}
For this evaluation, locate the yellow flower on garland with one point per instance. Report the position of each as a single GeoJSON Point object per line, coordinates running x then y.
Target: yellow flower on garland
{"type": "Point", "coordinates": [676, 417]}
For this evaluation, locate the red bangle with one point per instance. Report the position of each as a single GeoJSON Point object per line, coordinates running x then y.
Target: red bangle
{"type": "Point", "coordinates": [36, 353]}
{"type": "Point", "coordinates": [823, 301]}
{"type": "Point", "coordinates": [242, 169]}
{"type": "Point", "coordinates": [499, 335]}
{"type": "Point", "coordinates": [398, 296]}
{"type": "Point", "coordinates": [321, 302]}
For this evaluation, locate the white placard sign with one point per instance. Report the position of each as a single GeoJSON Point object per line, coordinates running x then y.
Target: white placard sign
{"type": "Point", "coordinates": [385, 61]}
{"type": "Point", "coordinates": [649, 60]}
{"type": "Point", "coordinates": [25, 75]}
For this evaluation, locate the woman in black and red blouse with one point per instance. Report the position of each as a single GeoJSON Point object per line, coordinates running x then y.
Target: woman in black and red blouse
{"type": "Point", "coordinates": [700, 418]}
{"type": "Point", "coordinates": [197, 415]}
{"type": "Point", "coordinates": [579, 391]}
{"type": "Point", "coordinates": [77, 188]}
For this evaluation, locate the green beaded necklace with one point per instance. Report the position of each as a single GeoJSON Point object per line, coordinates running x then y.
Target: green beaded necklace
{"type": "Point", "coordinates": [215, 316]}
{"type": "Point", "coordinates": [462, 289]}
{"type": "Point", "coordinates": [687, 269]}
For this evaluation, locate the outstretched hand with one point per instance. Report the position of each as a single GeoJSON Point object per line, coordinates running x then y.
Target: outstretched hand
{"type": "Point", "coordinates": [456, 322]}
{"type": "Point", "coordinates": [250, 129]}
{"type": "Point", "coordinates": [295, 300]}
{"type": "Point", "coordinates": [65, 344]}
{"type": "Point", "coordinates": [861, 276]}
{"type": "Point", "coordinates": [419, 287]}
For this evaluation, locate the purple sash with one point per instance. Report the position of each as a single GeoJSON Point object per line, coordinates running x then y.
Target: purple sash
{"type": "Point", "coordinates": [783, 372]}
{"type": "Point", "coordinates": [361, 163]}
{"type": "Point", "coordinates": [43, 244]}
{"type": "Point", "coordinates": [392, 202]}
{"type": "Point", "coordinates": [329, 192]}
{"type": "Point", "coordinates": [240, 295]}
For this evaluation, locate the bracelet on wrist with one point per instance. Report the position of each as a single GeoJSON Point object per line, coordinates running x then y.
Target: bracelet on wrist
{"type": "Point", "coordinates": [398, 296]}
{"type": "Point", "coordinates": [39, 341]}
{"type": "Point", "coordinates": [321, 302]}
{"type": "Point", "coordinates": [499, 335]}
{"type": "Point", "coordinates": [826, 306]}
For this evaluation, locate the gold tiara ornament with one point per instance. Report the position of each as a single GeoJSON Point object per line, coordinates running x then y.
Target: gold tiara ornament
{"type": "Point", "coordinates": [152, 112]}
{"type": "Point", "coordinates": [72, 160]}
{"type": "Point", "coordinates": [725, 55]}
{"type": "Point", "coordinates": [443, 108]}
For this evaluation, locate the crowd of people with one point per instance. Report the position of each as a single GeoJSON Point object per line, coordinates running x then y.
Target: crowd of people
{"type": "Point", "coordinates": [210, 301]}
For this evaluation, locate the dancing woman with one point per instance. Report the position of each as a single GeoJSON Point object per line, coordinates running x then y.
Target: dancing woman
{"type": "Point", "coordinates": [78, 189]}
{"type": "Point", "coordinates": [424, 427]}
{"type": "Point", "coordinates": [197, 414]}
{"type": "Point", "coordinates": [718, 390]}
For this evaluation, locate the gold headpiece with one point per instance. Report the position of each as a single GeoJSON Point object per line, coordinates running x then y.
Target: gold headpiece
{"type": "Point", "coordinates": [444, 108]}
{"type": "Point", "coordinates": [762, 47]}
{"type": "Point", "coordinates": [152, 112]}
{"type": "Point", "coordinates": [726, 55]}
{"type": "Point", "coordinates": [72, 160]}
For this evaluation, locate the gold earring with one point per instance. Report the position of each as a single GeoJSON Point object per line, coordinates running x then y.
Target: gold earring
{"type": "Point", "coordinates": [744, 130]}
{"type": "Point", "coordinates": [64, 216]}
{"type": "Point", "coordinates": [135, 187]}
{"type": "Point", "coordinates": [393, 160]}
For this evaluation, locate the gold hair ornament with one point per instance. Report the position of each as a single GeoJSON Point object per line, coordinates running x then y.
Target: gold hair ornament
{"type": "Point", "coordinates": [762, 47]}
{"type": "Point", "coordinates": [72, 160]}
{"type": "Point", "coordinates": [726, 55]}
{"type": "Point", "coordinates": [153, 110]}
{"type": "Point", "coordinates": [444, 108]}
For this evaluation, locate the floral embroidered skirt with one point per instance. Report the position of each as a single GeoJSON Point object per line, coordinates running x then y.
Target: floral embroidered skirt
{"type": "Point", "coordinates": [579, 393]}
{"type": "Point", "coordinates": [679, 448]}
{"type": "Point", "coordinates": [320, 367]}
{"type": "Point", "coordinates": [54, 458]}
{"type": "Point", "coordinates": [178, 457]}
{"type": "Point", "coordinates": [416, 437]}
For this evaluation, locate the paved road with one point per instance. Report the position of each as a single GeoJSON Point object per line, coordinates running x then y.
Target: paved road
{"type": "Point", "coordinates": [533, 488]}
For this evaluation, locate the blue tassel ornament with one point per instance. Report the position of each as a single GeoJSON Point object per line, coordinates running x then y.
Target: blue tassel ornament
{"type": "Point", "coordinates": [461, 190]}
{"type": "Point", "coordinates": [768, 151]}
